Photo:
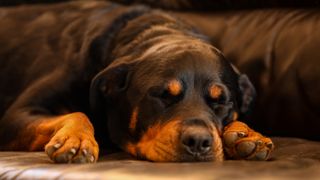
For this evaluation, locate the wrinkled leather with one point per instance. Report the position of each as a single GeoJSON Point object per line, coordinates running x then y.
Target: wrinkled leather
{"type": "Point", "coordinates": [293, 158]}
{"type": "Point", "coordinates": [279, 50]}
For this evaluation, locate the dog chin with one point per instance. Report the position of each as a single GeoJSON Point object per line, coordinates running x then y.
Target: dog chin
{"type": "Point", "coordinates": [178, 158]}
{"type": "Point", "coordinates": [159, 154]}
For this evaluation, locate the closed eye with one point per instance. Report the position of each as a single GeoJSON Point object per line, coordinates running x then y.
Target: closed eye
{"type": "Point", "coordinates": [164, 95]}
{"type": "Point", "coordinates": [217, 100]}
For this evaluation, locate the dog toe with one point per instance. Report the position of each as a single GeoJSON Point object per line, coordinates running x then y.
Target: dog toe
{"type": "Point", "coordinates": [241, 142]}
{"type": "Point", "coordinates": [231, 137]}
{"type": "Point", "coordinates": [77, 148]}
{"type": "Point", "coordinates": [245, 148]}
{"type": "Point", "coordinates": [84, 157]}
{"type": "Point", "coordinates": [88, 152]}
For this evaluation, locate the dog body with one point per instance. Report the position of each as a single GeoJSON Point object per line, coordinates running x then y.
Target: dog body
{"type": "Point", "coordinates": [76, 72]}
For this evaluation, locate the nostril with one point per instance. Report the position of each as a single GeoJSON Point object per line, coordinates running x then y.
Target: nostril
{"type": "Point", "coordinates": [197, 142]}
{"type": "Point", "coordinates": [189, 141]}
{"type": "Point", "coordinates": [206, 143]}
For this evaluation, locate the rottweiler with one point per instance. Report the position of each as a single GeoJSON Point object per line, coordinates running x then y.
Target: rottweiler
{"type": "Point", "coordinates": [75, 75]}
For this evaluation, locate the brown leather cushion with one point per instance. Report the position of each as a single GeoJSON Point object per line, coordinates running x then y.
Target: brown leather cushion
{"type": "Point", "coordinates": [295, 158]}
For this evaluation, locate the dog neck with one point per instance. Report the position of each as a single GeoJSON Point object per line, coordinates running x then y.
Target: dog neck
{"type": "Point", "coordinates": [133, 28]}
{"type": "Point", "coordinates": [102, 46]}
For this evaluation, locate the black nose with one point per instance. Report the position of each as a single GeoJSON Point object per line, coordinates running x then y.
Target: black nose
{"type": "Point", "coordinates": [196, 140]}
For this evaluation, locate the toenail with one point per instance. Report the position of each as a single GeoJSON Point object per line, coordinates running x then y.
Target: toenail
{"type": "Point", "coordinates": [259, 142]}
{"type": "Point", "coordinates": [269, 145]}
{"type": "Point", "coordinates": [73, 151]}
{"type": "Point", "coordinates": [57, 145]}
{"type": "Point", "coordinates": [91, 158]}
{"type": "Point", "coordinates": [241, 134]}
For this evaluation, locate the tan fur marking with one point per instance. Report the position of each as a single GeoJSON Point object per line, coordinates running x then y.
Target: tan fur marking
{"type": "Point", "coordinates": [174, 87]}
{"type": "Point", "coordinates": [157, 136]}
{"type": "Point", "coordinates": [217, 146]}
{"type": "Point", "coordinates": [134, 119]}
{"type": "Point", "coordinates": [131, 148]}
{"type": "Point", "coordinates": [235, 116]}
{"type": "Point", "coordinates": [215, 91]}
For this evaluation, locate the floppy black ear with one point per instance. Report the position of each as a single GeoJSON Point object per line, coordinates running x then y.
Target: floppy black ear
{"type": "Point", "coordinates": [248, 93]}
{"type": "Point", "coordinates": [109, 82]}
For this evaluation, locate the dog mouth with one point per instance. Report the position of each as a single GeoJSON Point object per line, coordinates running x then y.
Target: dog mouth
{"type": "Point", "coordinates": [174, 143]}
{"type": "Point", "coordinates": [167, 156]}
{"type": "Point", "coordinates": [183, 156]}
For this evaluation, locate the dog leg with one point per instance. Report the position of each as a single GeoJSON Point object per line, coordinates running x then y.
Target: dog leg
{"type": "Point", "coordinates": [73, 139]}
{"type": "Point", "coordinates": [241, 142]}
{"type": "Point", "coordinates": [66, 139]}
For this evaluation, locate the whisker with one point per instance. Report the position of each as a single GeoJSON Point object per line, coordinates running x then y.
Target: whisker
{"type": "Point", "coordinates": [163, 150]}
{"type": "Point", "coordinates": [160, 145]}
{"type": "Point", "coordinates": [159, 152]}
{"type": "Point", "coordinates": [165, 144]}
{"type": "Point", "coordinates": [157, 147]}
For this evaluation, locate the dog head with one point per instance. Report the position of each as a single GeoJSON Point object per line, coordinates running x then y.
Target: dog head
{"type": "Point", "coordinates": [170, 101]}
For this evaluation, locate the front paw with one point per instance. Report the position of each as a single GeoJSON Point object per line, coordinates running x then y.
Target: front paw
{"type": "Point", "coordinates": [241, 142]}
{"type": "Point", "coordinates": [74, 142]}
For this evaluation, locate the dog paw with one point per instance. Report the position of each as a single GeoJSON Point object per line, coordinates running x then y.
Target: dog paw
{"type": "Point", "coordinates": [241, 142]}
{"type": "Point", "coordinates": [73, 143]}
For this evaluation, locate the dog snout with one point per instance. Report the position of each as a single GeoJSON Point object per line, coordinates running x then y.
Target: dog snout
{"type": "Point", "coordinates": [196, 138]}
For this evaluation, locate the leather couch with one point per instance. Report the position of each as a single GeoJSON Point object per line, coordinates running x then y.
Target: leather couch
{"type": "Point", "coordinates": [293, 158]}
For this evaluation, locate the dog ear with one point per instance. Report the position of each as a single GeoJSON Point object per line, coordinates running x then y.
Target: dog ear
{"type": "Point", "coordinates": [109, 83]}
{"type": "Point", "coordinates": [247, 90]}
{"type": "Point", "coordinates": [248, 93]}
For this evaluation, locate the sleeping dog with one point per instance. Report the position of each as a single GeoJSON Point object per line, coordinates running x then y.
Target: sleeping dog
{"type": "Point", "coordinates": [79, 74]}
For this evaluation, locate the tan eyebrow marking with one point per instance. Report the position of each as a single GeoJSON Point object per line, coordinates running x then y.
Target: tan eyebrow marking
{"type": "Point", "coordinates": [215, 91]}
{"type": "Point", "coordinates": [134, 119]}
{"type": "Point", "coordinates": [174, 87]}
{"type": "Point", "coordinates": [235, 116]}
